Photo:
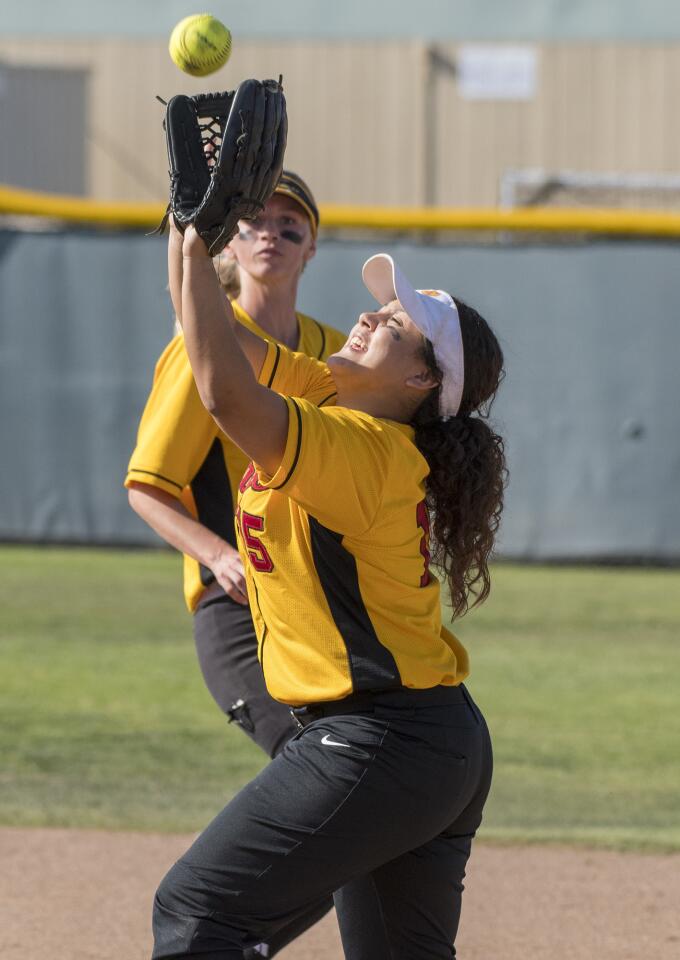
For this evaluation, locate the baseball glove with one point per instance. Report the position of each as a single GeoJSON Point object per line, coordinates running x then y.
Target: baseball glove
{"type": "Point", "coordinates": [226, 156]}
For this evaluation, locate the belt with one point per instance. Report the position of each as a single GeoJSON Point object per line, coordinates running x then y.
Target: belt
{"type": "Point", "coordinates": [401, 699]}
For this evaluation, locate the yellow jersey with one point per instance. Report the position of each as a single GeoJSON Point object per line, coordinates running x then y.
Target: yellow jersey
{"type": "Point", "coordinates": [335, 549]}
{"type": "Point", "coordinates": [180, 448]}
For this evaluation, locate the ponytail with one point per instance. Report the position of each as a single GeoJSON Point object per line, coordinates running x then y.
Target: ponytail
{"type": "Point", "coordinates": [464, 489]}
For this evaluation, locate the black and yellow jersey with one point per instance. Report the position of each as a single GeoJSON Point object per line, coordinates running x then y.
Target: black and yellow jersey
{"type": "Point", "coordinates": [181, 450]}
{"type": "Point", "coordinates": [335, 548]}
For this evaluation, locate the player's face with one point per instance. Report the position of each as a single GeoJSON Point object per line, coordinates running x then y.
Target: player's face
{"type": "Point", "coordinates": [277, 244]}
{"type": "Point", "coordinates": [387, 345]}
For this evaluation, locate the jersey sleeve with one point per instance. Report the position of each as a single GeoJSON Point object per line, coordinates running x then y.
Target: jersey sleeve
{"type": "Point", "coordinates": [297, 375]}
{"type": "Point", "coordinates": [175, 431]}
{"type": "Point", "coordinates": [335, 466]}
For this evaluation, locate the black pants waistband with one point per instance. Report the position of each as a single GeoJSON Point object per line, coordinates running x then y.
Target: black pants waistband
{"type": "Point", "coordinates": [404, 698]}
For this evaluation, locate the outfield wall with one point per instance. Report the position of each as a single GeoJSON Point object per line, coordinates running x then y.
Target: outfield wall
{"type": "Point", "coordinates": [589, 407]}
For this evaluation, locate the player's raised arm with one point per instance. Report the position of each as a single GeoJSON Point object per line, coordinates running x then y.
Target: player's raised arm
{"type": "Point", "coordinates": [254, 417]}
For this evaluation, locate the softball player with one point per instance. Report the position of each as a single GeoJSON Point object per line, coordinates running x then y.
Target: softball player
{"type": "Point", "coordinates": [184, 473]}
{"type": "Point", "coordinates": [388, 775]}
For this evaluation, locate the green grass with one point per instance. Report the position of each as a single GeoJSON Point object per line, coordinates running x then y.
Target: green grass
{"type": "Point", "coordinates": [104, 719]}
{"type": "Point", "coordinates": [105, 722]}
{"type": "Point", "coordinates": [577, 670]}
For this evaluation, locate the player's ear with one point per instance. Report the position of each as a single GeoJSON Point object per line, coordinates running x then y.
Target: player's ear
{"type": "Point", "coordinates": [311, 250]}
{"type": "Point", "coordinates": [423, 380]}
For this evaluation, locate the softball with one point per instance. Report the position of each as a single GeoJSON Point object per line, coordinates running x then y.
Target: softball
{"type": "Point", "coordinates": [200, 44]}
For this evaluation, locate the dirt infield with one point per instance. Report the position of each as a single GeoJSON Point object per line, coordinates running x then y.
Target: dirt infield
{"type": "Point", "coordinates": [85, 895]}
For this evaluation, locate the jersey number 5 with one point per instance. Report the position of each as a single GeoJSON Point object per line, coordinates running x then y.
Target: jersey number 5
{"type": "Point", "coordinates": [250, 526]}
{"type": "Point", "coordinates": [423, 521]}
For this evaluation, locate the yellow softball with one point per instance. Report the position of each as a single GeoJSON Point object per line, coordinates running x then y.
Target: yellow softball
{"type": "Point", "coordinates": [200, 44]}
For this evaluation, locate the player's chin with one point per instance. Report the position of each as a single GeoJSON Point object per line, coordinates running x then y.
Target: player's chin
{"type": "Point", "coordinates": [275, 265]}
{"type": "Point", "coordinates": [268, 269]}
{"type": "Point", "coordinates": [344, 357]}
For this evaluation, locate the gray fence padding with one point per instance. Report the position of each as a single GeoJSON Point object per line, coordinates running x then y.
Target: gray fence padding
{"type": "Point", "coordinates": [590, 405]}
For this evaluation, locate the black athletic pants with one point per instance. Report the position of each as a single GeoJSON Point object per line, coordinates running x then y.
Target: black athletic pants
{"type": "Point", "coordinates": [227, 652]}
{"type": "Point", "coordinates": [390, 794]}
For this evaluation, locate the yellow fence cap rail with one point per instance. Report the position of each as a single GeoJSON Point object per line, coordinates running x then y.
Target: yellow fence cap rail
{"type": "Point", "coordinates": [534, 220]}
{"type": "Point", "coordinates": [657, 223]}
{"type": "Point", "coordinates": [53, 206]}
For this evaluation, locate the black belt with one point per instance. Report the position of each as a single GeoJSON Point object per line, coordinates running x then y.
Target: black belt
{"type": "Point", "coordinates": [401, 699]}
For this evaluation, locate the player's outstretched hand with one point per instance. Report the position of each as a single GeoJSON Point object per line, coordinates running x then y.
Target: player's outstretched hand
{"type": "Point", "coordinates": [228, 571]}
{"type": "Point", "coordinates": [194, 245]}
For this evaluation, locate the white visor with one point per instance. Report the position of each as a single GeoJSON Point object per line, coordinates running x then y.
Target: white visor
{"type": "Point", "coordinates": [435, 314]}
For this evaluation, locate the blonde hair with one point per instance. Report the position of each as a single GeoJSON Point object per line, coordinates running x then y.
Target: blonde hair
{"type": "Point", "coordinates": [226, 269]}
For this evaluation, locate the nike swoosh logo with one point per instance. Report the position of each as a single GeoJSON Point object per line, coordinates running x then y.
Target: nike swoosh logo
{"type": "Point", "coordinates": [327, 742]}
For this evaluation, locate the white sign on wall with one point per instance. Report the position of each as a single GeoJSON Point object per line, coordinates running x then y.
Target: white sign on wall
{"type": "Point", "coordinates": [497, 72]}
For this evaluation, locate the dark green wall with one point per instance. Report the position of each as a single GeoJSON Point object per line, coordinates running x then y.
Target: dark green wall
{"type": "Point", "coordinates": [589, 407]}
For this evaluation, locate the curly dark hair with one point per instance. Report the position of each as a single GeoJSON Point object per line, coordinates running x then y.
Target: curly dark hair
{"type": "Point", "coordinates": [464, 489]}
